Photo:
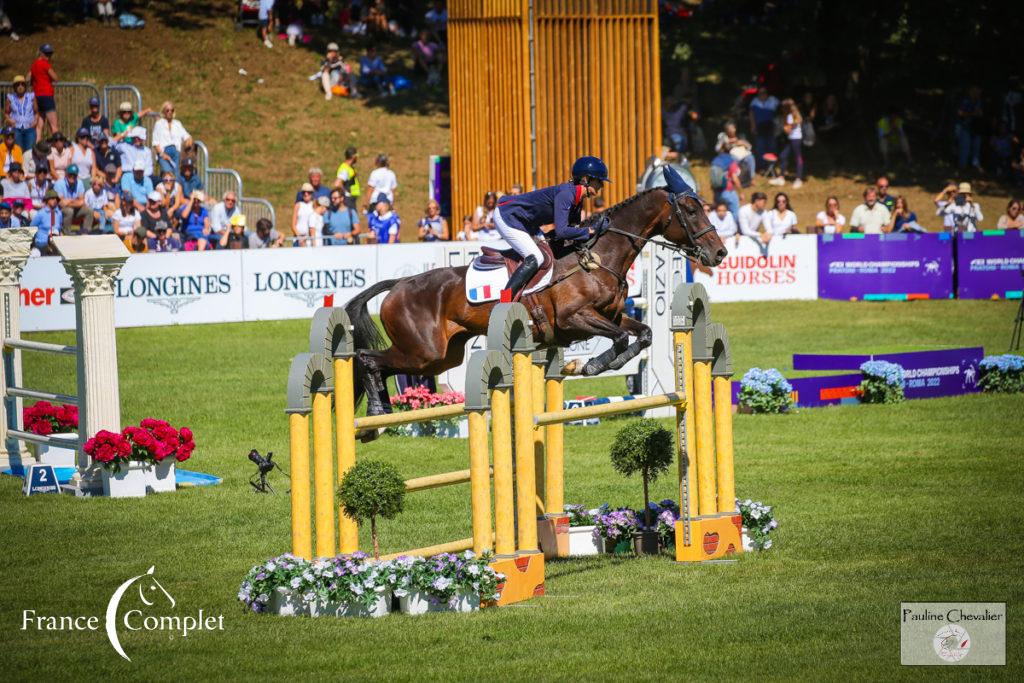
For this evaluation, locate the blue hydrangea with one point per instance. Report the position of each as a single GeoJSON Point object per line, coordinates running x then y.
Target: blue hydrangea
{"type": "Point", "coordinates": [1006, 362]}
{"type": "Point", "coordinates": [765, 381]}
{"type": "Point", "coordinates": [890, 373]}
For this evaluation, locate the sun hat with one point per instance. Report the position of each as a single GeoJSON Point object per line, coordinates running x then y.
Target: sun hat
{"type": "Point", "coordinates": [42, 148]}
{"type": "Point", "coordinates": [141, 231]}
{"type": "Point", "coordinates": [140, 165]}
{"type": "Point", "coordinates": [332, 47]}
{"type": "Point", "coordinates": [154, 196]}
{"type": "Point", "coordinates": [323, 201]}
{"type": "Point", "coordinates": [110, 168]}
{"type": "Point", "coordinates": [198, 194]}
{"type": "Point", "coordinates": [18, 79]}
{"type": "Point", "coordinates": [124, 106]}
{"type": "Point", "coordinates": [964, 188]}
{"type": "Point", "coordinates": [238, 219]}
{"type": "Point", "coordinates": [139, 133]}
{"type": "Point", "coordinates": [51, 194]}
{"type": "Point", "coordinates": [307, 187]}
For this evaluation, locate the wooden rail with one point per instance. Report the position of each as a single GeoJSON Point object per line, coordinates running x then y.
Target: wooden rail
{"type": "Point", "coordinates": [606, 409]}
{"type": "Point", "coordinates": [409, 416]}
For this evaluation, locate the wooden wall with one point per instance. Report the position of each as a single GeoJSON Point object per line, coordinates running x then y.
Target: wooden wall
{"type": "Point", "coordinates": [597, 92]}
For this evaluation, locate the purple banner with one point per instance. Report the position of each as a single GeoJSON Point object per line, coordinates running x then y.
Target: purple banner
{"type": "Point", "coordinates": [896, 267]}
{"type": "Point", "coordinates": [927, 374]}
{"type": "Point", "coordinates": [814, 392]}
{"type": "Point", "coordinates": [989, 264]}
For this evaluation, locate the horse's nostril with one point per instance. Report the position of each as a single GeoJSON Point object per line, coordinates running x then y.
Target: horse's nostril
{"type": "Point", "coordinates": [721, 254]}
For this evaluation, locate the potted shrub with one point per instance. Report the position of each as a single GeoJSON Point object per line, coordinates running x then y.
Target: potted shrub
{"type": "Point", "coordinates": [369, 490]}
{"type": "Point", "coordinates": [419, 397]}
{"type": "Point", "coordinates": [162, 446]}
{"type": "Point", "coordinates": [58, 422]}
{"type": "Point", "coordinates": [446, 583]}
{"type": "Point", "coordinates": [643, 447]}
{"type": "Point", "coordinates": [123, 477]}
{"type": "Point", "coordinates": [882, 383]}
{"type": "Point", "coordinates": [276, 586]}
{"type": "Point", "coordinates": [758, 522]}
{"type": "Point", "coordinates": [582, 539]}
{"type": "Point", "coordinates": [765, 391]}
{"type": "Point", "coordinates": [615, 529]}
{"type": "Point", "coordinates": [1003, 373]}
{"type": "Point", "coordinates": [347, 586]}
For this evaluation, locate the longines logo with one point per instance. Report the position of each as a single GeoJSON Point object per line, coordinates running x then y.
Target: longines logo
{"type": "Point", "coordinates": [148, 614]}
{"type": "Point", "coordinates": [174, 292]}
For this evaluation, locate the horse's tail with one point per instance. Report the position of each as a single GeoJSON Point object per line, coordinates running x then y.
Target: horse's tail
{"type": "Point", "coordinates": [365, 333]}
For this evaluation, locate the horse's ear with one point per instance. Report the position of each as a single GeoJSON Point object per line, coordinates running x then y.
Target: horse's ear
{"type": "Point", "coordinates": [675, 182]}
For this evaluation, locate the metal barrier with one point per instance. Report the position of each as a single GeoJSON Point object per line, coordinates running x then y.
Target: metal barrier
{"type": "Point", "coordinates": [114, 95]}
{"type": "Point", "coordinates": [221, 180]}
{"type": "Point", "coordinates": [202, 160]}
{"type": "Point", "coordinates": [255, 209]}
{"type": "Point", "coordinates": [72, 100]}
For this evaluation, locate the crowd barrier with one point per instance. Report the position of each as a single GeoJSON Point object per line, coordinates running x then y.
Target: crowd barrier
{"type": "Point", "coordinates": [517, 389]}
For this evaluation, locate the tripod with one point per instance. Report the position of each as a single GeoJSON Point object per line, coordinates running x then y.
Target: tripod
{"type": "Point", "coordinates": [1017, 323]}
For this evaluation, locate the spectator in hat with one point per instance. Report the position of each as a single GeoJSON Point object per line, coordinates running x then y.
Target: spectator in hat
{"type": "Point", "coordinates": [302, 210]}
{"type": "Point", "coordinates": [39, 157]}
{"type": "Point", "coordinates": [49, 221]}
{"type": "Point", "coordinates": [21, 111]}
{"type": "Point", "coordinates": [7, 219]}
{"type": "Point", "coordinates": [170, 139]}
{"type": "Point", "coordinates": [42, 77]}
{"type": "Point", "coordinates": [235, 237]}
{"type": "Point", "coordinates": [107, 161]}
{"type": "Point", "coordinates": [871, 217]}
{"type": "Point", "coordinates": [959, 211]}
{"type": "Point", "coordinates": [155, 218]}
{"type": "Point", "coordinates": [126, 217]}
{"type": "Point", "coordinates": [373, 72]}
{"type": "Point", "coordinates": [195, 224]}
{"type": "Point", "coordinates": [14, 185]}
{"type": "Point", "coordinates": [189, 179]}
{"type": "Point", "coordinates": [135, 152]}
{"type": "Point", "coordinates": [384, 223]}
{"type": "Point", "coordinates": [82, 154]}
{"type": "Point", "coordinates": [95, 122]}
{"type": "Point", "coordinates": [102, 202]}
{"type": "Point", "coordinates": [382, 183]}
{"type": "Point", "coordinates": [164, 241]}
{"type": "Point", "coordinates": [137, 184]}
{"type": "Point", "coordinates": [265, 237]}
{"type": "Point", "coordinates": [10, 152]}
{"type": "Point", "coordinates": [136, 242]}
{"type": "Point", "coordinates": [60, 156]}
{"type": "Point", "coordinates": [38, 186]}
{"type": "Point", "coordinates": [223, 212]}
{"type": "Point", "coordinates": [71, 191]}
{"type": "Point", "coordinates": [334, 72]}
{"type": "Point", "coordinates": [170, 193]}
{"type": "Point", "coordinates": [18, 212]}
{"type": "Point", "coordinates": [126, 121]}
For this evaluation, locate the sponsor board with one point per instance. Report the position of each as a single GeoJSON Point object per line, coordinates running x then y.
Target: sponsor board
{"type": "Point", "coordinates": [990, 264]}
{"type": "Point", "coordinates": [896, 266]}
{"type": "Point", "coordinates": [785, 268]}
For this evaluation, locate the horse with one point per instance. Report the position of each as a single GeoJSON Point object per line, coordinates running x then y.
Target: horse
{"type": "Point", "coordinates": [429, 320]}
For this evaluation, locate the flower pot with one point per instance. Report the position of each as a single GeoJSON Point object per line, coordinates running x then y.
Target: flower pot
{"type": "Point", "coordinates": [748, 543]}
{"type": "Point", "coordinates": [161, 476]}
{"type": "Point", "coordinates": [58, 455]}
{"type": "Point", "coordinates": [129, 481]}
{"type": "Point", "coordinates": [466, 601]}
{"type": "Point", "coordinates": [646, 543]}
{"type": "Point", "coordinates": [287, 602]}
{"type": "Point", "coordinates": [584, 541]}
{"type": "Point", "coordinates": [421, 602]}
{"type": "Point", "coordinates": [617, 546]}
{"type": "Point", "coordinates": [381, 607]}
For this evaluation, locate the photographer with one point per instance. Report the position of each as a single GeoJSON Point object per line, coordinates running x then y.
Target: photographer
{"type": "Point", "coordinates": [958, 210]}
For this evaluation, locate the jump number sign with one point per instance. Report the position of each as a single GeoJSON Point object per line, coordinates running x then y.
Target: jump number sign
{"type": "Point", "coordinates": [41, 479]}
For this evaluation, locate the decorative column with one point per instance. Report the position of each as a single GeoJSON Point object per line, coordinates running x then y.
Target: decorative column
{"type": "Point", "coordinates": [15, 246]}
{"type": "Point", "coordinates": [94, 263]}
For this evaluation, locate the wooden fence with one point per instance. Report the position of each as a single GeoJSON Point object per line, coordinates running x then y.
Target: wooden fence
{"type": "Point", "coordinates": [595, 87]}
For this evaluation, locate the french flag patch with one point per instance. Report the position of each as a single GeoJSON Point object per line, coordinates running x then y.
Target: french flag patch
{"type": "Point", "coordinates": [480, 293]}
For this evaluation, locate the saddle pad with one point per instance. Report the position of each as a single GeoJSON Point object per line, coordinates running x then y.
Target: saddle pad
{"type": "Point", "coordinates": [486, 285]}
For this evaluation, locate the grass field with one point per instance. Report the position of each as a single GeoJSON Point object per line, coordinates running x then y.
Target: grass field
{"type": "Point", "coordinates": [877, 505]}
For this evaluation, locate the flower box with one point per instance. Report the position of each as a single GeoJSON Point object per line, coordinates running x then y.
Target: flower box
{"type": "Point", "coordinates": [380, 608]}
{"type": "Point", "coordinates": [58, 455]}
{"type": "Point", "coordinates": [161, 476]}
{"type": "Point", "coordinates": [127, 481]}
{"type": "Point", "coordinates": [583, 540]}
{"type": "Point", "coordinates": [748, 544]}
{"type": "Point", "coordinates": [421, 602]}
{"type": "Point", "coordinates": [287, 603]}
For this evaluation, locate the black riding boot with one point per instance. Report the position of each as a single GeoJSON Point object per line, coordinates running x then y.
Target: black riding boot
{"type": "Point", "coordinates": [522, 276]}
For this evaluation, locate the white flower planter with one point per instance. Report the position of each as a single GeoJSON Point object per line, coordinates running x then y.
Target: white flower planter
{"type": "Point", "coordinates": [161, 476]}
{"type": "Point", "coordinates": [287, 603]}
{"type": "Point", "coordinates": [420, 602]}
{"type": "Point", "coordinates": [748, 543]}
{"type": "Point", "coordinates": [381, 608]}
{"type": "Point", "coordinates": [583, 541]}
{"type": "Point", "coordinates": [57, 455]}
{"type": "Point", "coordinates": [128, 482]}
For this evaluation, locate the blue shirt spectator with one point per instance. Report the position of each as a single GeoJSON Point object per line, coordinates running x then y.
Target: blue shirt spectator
{"type": "Point", "coordinates": [340, 220]}
{"type": "Point", "coordinates": [189, 179]}
{"type": "Point", "coordinates": [68, 190]}
{"type": "Point", "coordinates": [193, 224]}
{"type": "Point", "coordinates": [385, 225]}
{"type": "Point", "coordinates": [49, 220]}
{"type": "Point", "coordinates": [138, 185]}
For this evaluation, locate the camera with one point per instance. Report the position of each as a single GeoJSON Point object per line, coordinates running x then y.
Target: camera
{"type": "Point", "coordinates": [960, 199]}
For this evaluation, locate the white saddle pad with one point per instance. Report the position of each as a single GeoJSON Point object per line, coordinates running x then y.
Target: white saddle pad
{"type": "Point", "coordinates": [486, 285]}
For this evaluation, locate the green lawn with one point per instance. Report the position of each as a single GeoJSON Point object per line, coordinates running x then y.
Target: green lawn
{"type": "Point", "coordinates": [877, 505]}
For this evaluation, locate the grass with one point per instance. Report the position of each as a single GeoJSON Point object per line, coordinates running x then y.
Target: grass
{"type": "Point", "coordinates": [877, 504]}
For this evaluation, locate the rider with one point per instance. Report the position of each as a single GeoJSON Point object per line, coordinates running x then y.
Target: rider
{"type": "Point", "coordinates": [519, 218]}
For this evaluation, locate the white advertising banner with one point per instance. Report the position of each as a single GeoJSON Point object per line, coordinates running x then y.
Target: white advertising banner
{"type": "Point", "coordinates": [785, 268]}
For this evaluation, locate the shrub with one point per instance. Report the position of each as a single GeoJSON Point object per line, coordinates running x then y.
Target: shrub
{"type": "Point", "coordinates": [1004, 373]}
{"type": "Point", "coordinates": [765, 391]}
{"type": "Point", "coordinates": [372, 489]}
{"type": "Point", "coordinates": [643, 446]}
{"type": "Point", "coordinates": [882, 383]}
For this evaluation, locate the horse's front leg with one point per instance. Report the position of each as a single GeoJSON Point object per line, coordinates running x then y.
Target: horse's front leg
{"type": "Point", "coordinates": [643, 335]}
{"type": "Point", "coordinates": [592, 324]}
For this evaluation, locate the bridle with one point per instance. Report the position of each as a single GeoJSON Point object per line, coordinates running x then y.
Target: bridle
{"type": "Point", "coordinates": [691, 251]}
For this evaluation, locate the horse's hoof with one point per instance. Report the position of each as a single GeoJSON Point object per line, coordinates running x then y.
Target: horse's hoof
{"type": "Point", "coordinates": [591, 369]}
{"type": "Point", "coordinates": [571, 368]}
{"type": "Point", "coordinates": [367, 435]}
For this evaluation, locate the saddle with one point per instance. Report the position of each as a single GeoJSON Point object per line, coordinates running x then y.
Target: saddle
{"type": "Point", "coordinates": [492, 259]}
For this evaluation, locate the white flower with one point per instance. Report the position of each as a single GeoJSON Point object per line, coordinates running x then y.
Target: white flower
{"type": "Point", "coordinates": [295, 582]}
{"type": "Point", "coordinates": [768, 544]}
{"type": "Point", "coordinates": [473, 570]}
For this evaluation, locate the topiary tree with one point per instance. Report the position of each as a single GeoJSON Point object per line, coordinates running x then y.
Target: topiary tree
{"type": "Point", "coordinates": [369, 490]}
{"type": "Point", "coordinates": [643, 446]}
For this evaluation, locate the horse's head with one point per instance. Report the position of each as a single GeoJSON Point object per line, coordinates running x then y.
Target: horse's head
{"type": "Point", "coordinates": [688, 226]}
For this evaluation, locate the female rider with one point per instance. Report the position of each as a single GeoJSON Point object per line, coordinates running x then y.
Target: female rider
{"type": "Point", "coordinates": [519, 218]}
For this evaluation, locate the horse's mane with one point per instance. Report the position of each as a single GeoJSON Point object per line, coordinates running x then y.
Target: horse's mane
{"type": "Point", "coordinates": [612, 210]}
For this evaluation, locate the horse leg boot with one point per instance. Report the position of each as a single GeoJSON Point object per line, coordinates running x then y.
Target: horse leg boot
{"type": "Point", "coordinates": [520, 278]}
{"type": "Point", "coordinates": [377, 402]}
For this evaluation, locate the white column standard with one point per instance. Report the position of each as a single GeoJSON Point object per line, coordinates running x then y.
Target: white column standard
{"type": "Point", "coordinates": [93, 262]}
{"type": "Point", "coordinates": [15, 246]}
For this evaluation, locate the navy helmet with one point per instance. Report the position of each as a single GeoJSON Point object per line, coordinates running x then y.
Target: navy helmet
{"type": "Point", "coordinates": [592, 167]}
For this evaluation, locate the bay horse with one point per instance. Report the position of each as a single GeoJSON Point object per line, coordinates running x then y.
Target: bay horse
{"type": "Point", "coordinates": [429, 319]}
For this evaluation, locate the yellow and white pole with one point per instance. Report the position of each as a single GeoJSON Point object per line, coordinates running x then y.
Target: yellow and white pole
{"type": "Point", "coordinates": [537, 392]}
{"type": "Point", "coordinates": [345, 433]}
{"type": "Point", "coordinates": [723, 444]}
{"type": "Point", "coordinates": [554, 485]}
{"type": "Point", "coordinates": [526, 483]}
{"type": "Point", "coordinates": [479, 481]}
{"type": "Point", "coordinates": [705, 436]}
{"type": "Point", "coordinates": [688, 466]}
{"type": "Point", "coordinates": [302, 529]}
{"type": "Point", "coordinates": [323, 479]}
{"type": "Point", "coordinates": [504, 492]}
